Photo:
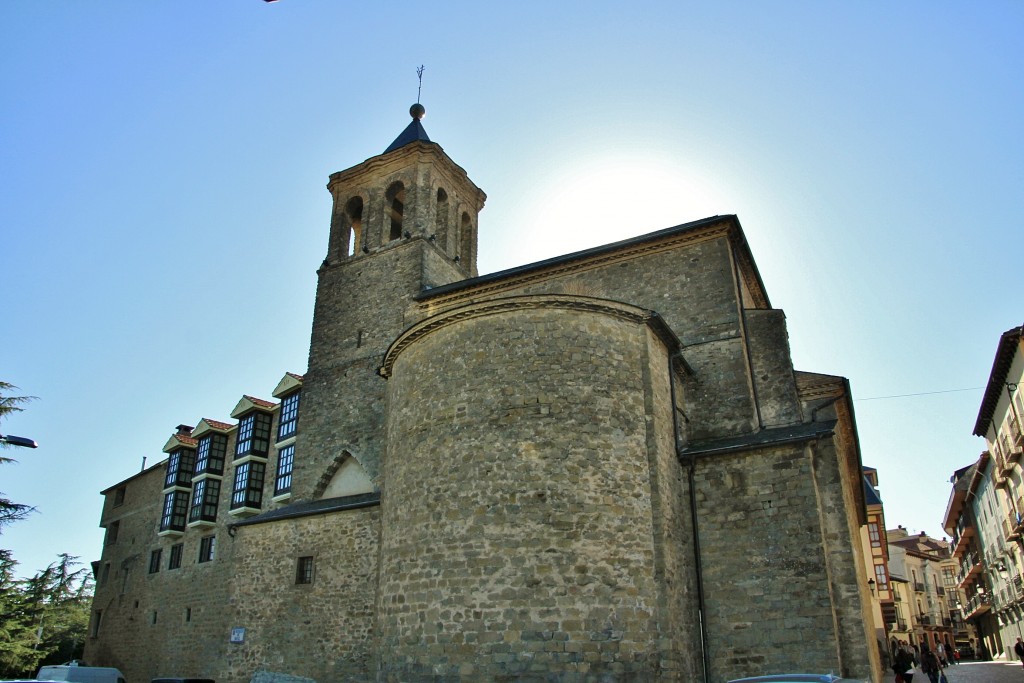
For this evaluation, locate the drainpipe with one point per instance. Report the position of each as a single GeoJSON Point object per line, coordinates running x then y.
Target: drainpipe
{"type": "Point", "coordinates": [691, 465]}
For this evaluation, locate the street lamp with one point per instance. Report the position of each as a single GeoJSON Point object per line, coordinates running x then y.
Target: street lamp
{"type": "Point", "coordinates": [18, 441]}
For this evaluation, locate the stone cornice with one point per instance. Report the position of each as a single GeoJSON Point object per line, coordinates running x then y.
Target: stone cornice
{"type": "Point", "coordinates": [413, 154]}
{"type": "Point", "coordinates": [517, 278]}
{"type": "Point", "coordinates": [503, 305]}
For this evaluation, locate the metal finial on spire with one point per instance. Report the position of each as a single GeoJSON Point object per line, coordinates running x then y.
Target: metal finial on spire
{"type": "Point", "coordinates": [417, 111]}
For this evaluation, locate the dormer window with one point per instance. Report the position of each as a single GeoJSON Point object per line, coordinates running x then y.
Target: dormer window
{"type": "Point", "coordinates": [253, 435]}
{"type": "Point", "coordinates": [210, 454]}
{"type": "Point", "coordinates": [180, 465]}
{"type": "Point", "coordinates": [289, 419]}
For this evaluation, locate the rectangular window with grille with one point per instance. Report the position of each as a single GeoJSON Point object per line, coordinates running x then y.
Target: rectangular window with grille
{"type": "Point", "coordinates": [304, 570]}
{"type": "Point", "coordinates": [204, 501]}
{"type": "Point", "coordinates": [289, 416]}
{"type": "Point", "coordinates": [176, 552]}
{"type": "Point", "coordinates": [154, 561]}
{"type": "Point", "coordinates": [248, 486]}
{"type": "Point", "coordinates": [175, 511]}
{"type": "Point", "coordinates": [253, 435]}
{"type": "Point", "coordinates": [211, 453]}
{"type": "Point", "coordinates": [285, 463]}
{"type": "Point", "coordinates": [207, 545]}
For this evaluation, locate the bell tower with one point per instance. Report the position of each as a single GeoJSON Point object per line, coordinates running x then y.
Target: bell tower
{"type": "Point", "coordinates": [402, 222]}
{"type": "Point", "coordinates": [411, 191]}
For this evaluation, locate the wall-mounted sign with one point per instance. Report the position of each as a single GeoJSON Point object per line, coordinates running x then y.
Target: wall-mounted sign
{"type": "Point", "coordinates": [238, 635]}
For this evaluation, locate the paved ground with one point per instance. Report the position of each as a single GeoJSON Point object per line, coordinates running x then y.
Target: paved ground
{"type": "Point", "coordinates": [975, 672]}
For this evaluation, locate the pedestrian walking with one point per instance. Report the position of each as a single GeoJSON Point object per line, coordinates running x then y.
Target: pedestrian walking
{"type": "Point", "coordinates": [930, 665]}
{"type": "Point", "coordinates": [903, 666]}
{"type": "Point", "coordinates": [1019, 649]}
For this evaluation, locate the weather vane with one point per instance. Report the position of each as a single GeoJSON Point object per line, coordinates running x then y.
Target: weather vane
{"type": "Point", "coordinates": [419, 90]}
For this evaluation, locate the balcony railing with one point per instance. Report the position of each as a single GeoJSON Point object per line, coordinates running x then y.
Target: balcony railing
{"type": "Point", "coordinates": [1018, 436]}
{"type": "Point", "coordinates": [1010, 448]}
{"type": "Point", "coordinates": [919, 587]}
{"type": "Point", "coordinates": [978, 604]}
{"type": "Point", "coordinates": [997, 454]}
{"type": "Point", "coordinates": [1014, 589]}
{"type": "Point", "coordinates": [940, 591]}
{"type": "Point", "coordinates": [923, 620]}
{"type": "Point", "coordinates": [967, 566]}
{"type": "Point", "coordinates": [1011, 527]}
{"type": "Point", "coordinates": [900, 625]}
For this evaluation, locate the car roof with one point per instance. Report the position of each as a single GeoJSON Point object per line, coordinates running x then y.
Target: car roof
{"type": "Point", "coordinates": [793, 678]}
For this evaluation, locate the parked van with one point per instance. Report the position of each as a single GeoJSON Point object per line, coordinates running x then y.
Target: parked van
{"type": "Point", "coordinates": [80, 674]}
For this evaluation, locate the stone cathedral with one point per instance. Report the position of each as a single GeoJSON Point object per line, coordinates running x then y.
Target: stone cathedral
{"type": "Point", "coordinates": [598, 467]}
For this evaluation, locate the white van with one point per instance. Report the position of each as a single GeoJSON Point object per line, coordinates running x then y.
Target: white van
{"type": "Point", "coordinates": [80, 674]}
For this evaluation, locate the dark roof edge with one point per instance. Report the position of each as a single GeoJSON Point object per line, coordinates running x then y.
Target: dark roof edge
{"type": "Point", "coordinates": [871, 496]}
{"type": "Point", "coordinates": [565, 258]}
{"type": "Point", "coordinates": [997, 378]}
{"type": "Point", "coordinates": [315, 507]}
{"type": "Point", "coordinates": [766, 438]}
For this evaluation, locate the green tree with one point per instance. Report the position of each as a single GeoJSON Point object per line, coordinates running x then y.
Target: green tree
{"type": "Point", "coordinates": [9, 510]}
{"type": "Point", "coordinates": [17, 632]}
{"type": "Point", "coordinates": [45, 618]}
{"type": "Point", "coordinates": [60, 597]}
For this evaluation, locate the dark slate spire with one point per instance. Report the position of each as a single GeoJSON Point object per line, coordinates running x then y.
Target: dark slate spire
{"type": "Point", "coordinates": [413, 132]}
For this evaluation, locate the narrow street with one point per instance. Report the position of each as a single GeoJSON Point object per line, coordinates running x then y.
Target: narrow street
{"type": "Point", "coordinates": [975, 672]}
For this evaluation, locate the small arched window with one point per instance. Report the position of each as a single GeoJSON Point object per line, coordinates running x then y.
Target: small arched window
{"type": "Point", "coordinates": [466, 240]}
{"type": "Point", "coordinates": [441, 218]}
{"type": "Point", "coordinates": [395, 201]}
{"type": "Point", "coordinates": [354, 227]}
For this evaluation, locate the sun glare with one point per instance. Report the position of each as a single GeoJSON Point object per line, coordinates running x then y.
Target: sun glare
{"type": "Point", "coordinates": [611, 198]}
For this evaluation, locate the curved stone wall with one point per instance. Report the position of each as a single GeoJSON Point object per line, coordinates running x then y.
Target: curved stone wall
{"type": "Point", "coordinates": [517, 525]}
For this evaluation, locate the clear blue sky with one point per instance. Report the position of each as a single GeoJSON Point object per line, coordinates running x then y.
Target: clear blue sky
{"type": "Point", "coordinates": [163, 210]}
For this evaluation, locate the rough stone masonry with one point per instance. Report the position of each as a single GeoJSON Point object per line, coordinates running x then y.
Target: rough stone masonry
{"type": "Point", "coordinates": [598, 467]}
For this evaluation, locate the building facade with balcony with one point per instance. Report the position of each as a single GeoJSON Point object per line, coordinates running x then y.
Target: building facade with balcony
{"type": "Point", "coordinates": [963, 633]}
{"type": "Point", "coordinates": [975, 524]}
{"type": "Point", "coordinates": [876, 553]}
{"type": "Point", "coordinates": [1001, 513]}
{"type": "Point", "coordinates": [920, 599]}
